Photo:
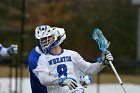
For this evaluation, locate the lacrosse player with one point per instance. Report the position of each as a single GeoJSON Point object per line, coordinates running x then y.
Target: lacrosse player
{"type": "Point", "coordinates": [59, 69]}
{"type": "Point", "coordinates": [36, 52]}
{"type": "Point", "coordinates": [12, 49]}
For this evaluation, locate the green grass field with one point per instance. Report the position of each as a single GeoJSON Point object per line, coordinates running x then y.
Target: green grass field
{"type": "Point", "coordinates": [111, 78]}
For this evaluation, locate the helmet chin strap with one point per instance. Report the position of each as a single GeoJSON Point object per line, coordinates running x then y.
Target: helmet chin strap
{"type": "Point", "coordinates": [46, 51]}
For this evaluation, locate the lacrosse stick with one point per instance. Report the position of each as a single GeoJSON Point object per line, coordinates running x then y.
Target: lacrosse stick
{"type": "Point", "coordinates": [103, 45]}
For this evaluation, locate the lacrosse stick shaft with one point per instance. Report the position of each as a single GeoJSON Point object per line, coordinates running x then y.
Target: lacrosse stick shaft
{"type": "Point", "coordinates": [119, 79]}
{"type": "Point", "coordinates": [113, 68]}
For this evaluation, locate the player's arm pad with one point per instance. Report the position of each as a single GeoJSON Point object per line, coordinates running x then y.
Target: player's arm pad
{"type": "Point", "coordinates": [95, 68]}
{"type": "Point", "coordinates": [87, 67]}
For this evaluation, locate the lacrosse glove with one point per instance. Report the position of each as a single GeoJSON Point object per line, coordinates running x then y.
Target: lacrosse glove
{"type": "Point", "coordinates": [70, 82]}
{"type": "Point", "coordinates": [105, 58]}
{"type": "Point", "coordinates": [85, 80]}
{"type": "Point", "coordinates": [13, 49]}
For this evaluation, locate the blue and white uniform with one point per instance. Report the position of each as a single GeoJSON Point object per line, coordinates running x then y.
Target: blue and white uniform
{"type": "Point", "coordinates": [36, 86]}
{"type": "Point", "coordinates": [3, 51]}
{"type": "Point", "coordinates": [66, 64]}
{"type": "Point", "coordinates": [12, 49]}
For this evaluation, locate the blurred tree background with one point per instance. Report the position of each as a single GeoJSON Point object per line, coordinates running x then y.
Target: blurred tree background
{"type": "Point", "coordinates": [116, 18]}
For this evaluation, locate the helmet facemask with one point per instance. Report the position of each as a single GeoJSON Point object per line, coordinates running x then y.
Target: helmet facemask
{"type": "Point", "coordinates": [46, 43]}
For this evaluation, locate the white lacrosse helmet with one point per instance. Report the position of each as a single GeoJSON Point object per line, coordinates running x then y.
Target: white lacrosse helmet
{"type": "Point", "coordinates": [59, 34]}
{"type": "Point", "coordinates": [48, 38]}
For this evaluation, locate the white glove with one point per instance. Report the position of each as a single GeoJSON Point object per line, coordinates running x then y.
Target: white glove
{"type": "Point", "coordinates": [13, 49]}
{"type": "Point", "coordinates": [105, 58]}
{"type": "Point", "coordinates": [85, 80]}
{"type": "Point", "coordinates": [70, 82]}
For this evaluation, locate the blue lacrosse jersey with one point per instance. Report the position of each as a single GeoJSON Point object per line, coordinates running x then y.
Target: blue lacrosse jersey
{"type": "Point", "coordinates": [36, 86]}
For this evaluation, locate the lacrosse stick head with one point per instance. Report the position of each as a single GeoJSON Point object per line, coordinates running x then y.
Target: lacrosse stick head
{"type": "Point", "coordinates": [100, 39]}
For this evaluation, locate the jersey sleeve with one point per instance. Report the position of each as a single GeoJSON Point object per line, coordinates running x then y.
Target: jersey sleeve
{"type": "Point", "coordinates": [80, 62]}
{"type": "Point", "coordinates": [87, 67]}
{"type": "Point", "coordinates": [41, 65]}
{"type": "Point", "coordinates": [42, 72]}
